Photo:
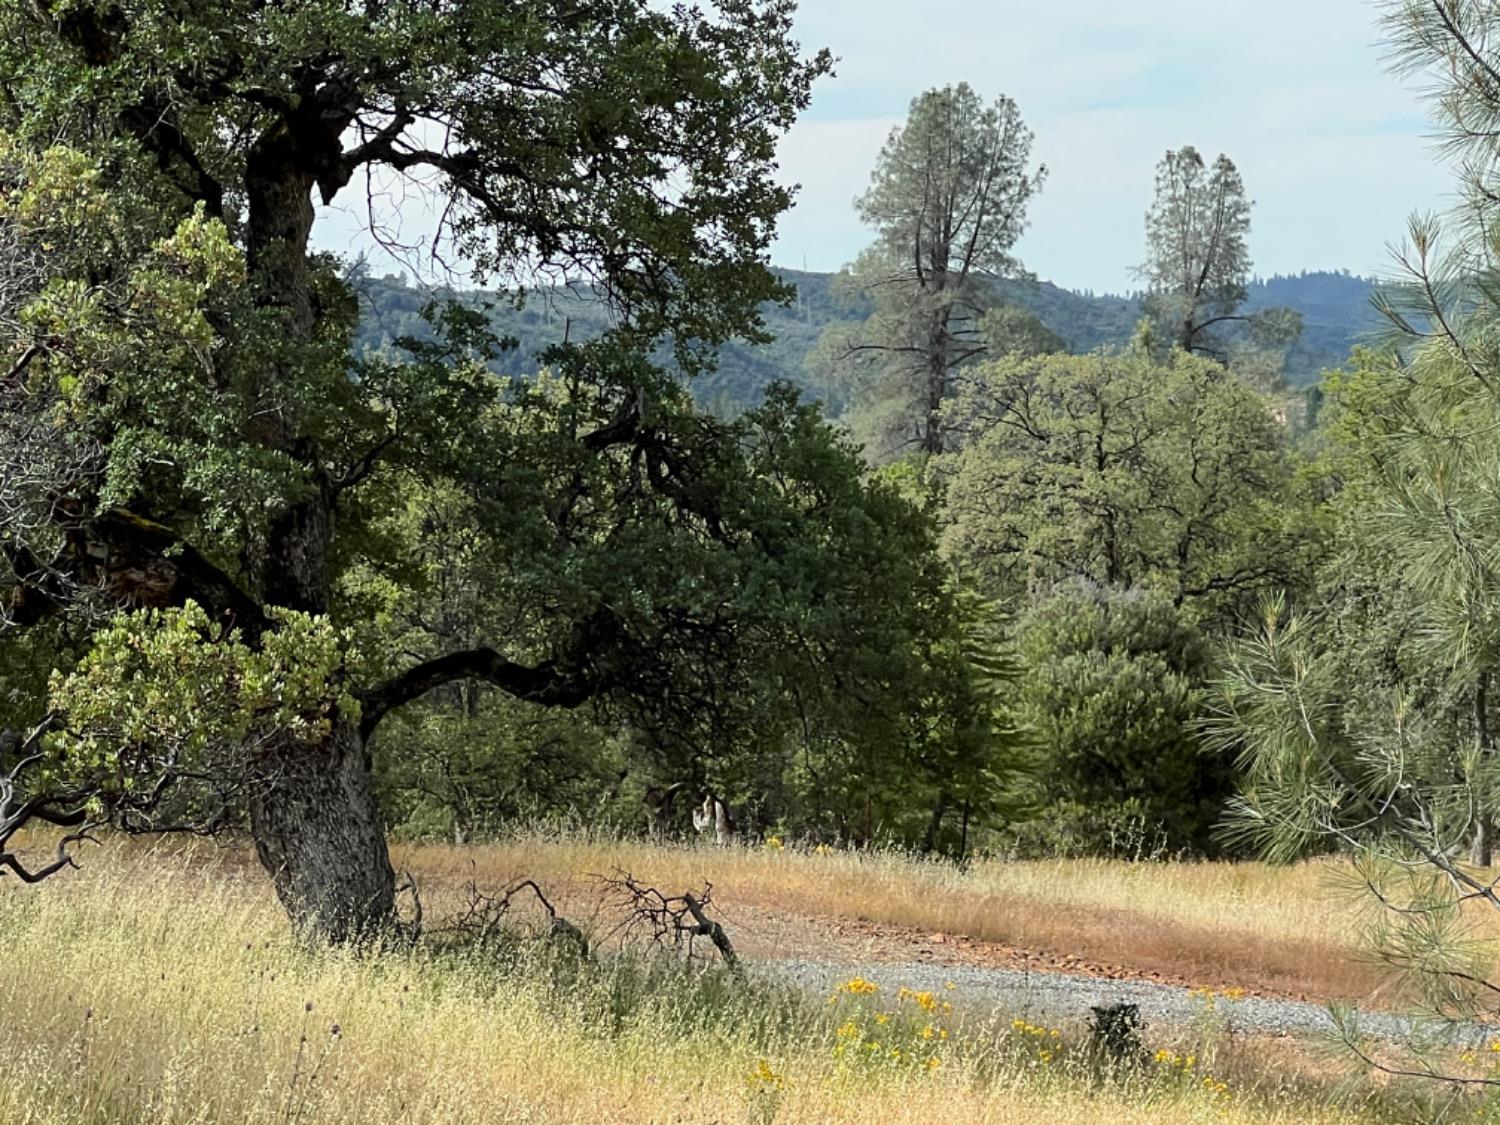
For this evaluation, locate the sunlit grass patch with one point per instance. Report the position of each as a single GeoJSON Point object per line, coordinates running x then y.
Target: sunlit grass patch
{"type": "Point", "coordinates": [152, 988]}
{"type": "Point", "coordinates": [1282, 929]}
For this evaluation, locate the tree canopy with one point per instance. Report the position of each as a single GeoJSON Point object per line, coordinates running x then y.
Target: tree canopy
{"type": "Point", "coordinates": [1125, 472]}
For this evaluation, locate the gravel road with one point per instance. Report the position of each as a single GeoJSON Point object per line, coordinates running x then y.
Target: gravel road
{"type": "Point", "coordinates": [1065, 997]}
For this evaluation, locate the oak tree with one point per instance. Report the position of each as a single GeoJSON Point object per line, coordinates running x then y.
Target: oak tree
{"type": "Point", "coordinates": [220, 449]}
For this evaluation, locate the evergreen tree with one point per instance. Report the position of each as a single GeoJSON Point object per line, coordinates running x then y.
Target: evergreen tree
{"type": "Point", "coordinates": [1197, 268]}
{"type": "Point", "coordinates": [948, 201]}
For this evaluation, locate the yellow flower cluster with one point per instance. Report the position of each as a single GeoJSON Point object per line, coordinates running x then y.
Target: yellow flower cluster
{"type": "Point", "coordinates": [764, 1078]}
{"type": "Point", "coordinates": [1036, 1032]}
{"type": "Point", "coordinates": [1208, 996]}
{"type": "Point", "coordinates": [1470, 1055]}
{"type": "Point", "coordinates": [775, 843]}
{"type": "Point", "coordinates": [1186, 1064]}
{"type": "Point", "coordinates": [926, 1000]}
{"type": "Point", "coordinates": [902, 1041]}
{"type": "Point", "coordinates": [822, 849]}
{"type": "Point", "coordinates": [1047, 1040]}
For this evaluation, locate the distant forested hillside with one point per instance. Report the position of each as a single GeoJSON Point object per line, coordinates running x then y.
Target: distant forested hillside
{"type": "Point", "coordinates": [1335, 307]}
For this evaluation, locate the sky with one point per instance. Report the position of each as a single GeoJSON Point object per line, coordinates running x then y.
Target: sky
{"type": "Point", "coordinates": [1335, 151]}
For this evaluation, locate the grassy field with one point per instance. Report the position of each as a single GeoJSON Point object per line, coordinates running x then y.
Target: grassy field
{"type": "Point", "coordinates": [1294, 931]}
{"type": "Point", "coordinates": [161, 984]}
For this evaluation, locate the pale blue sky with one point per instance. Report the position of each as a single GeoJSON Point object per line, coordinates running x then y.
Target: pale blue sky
{"type": "Point", "coordinates": [1333, 149]}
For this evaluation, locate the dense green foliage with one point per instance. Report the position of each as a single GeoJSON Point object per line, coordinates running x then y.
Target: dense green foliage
{"type": "Point", "coordinates": [734, 602]}
{"type": "Point", "coordinates": [295, 548]}
{"type": "Point", "coordinates": [1125, 472]}
{"type": "Point", "coordinates": [1114, 682]}
{"type": "Point", "coordinates": [1128, 511]}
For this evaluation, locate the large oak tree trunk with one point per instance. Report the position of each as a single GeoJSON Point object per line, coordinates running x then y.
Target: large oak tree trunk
{"type": "Point", "coordinates": [313, 813]}
{"type": "Point", "coordinates": [318, 833]}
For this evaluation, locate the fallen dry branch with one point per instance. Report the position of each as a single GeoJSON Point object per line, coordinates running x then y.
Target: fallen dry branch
{"type": "Point", "coordinates": [485, 916]}
{"type": "Point", "coordinates": [672, 921]}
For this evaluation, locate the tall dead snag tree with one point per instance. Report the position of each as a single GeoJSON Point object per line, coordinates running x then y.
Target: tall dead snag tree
{"type": "Point", "coordinates": [244, 461]}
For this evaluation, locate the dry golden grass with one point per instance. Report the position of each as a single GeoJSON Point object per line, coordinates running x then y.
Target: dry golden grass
{"type": "Point", "coordinates": [154, 987]}
{"type": "Point", "coordinates": [1287, 930]}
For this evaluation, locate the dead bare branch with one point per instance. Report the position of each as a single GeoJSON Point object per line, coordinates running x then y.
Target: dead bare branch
{"type": "Point", "coordinates": [485, 918]}
{"type": "Point", "coordinates": [668, 921]}
{"type": "Point", "coordinates": [20, 757]}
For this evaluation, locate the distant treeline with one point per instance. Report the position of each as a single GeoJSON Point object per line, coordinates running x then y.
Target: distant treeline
{"type": "Point", "coordinates": [1335, 307]}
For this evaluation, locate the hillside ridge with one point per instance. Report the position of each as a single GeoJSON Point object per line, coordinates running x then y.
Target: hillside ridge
{"type": "Point", "coordinates": [1335, 306]}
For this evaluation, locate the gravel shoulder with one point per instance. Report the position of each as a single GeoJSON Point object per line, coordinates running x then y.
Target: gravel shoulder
{"type": "Point", "coordinates": [1067, 997]}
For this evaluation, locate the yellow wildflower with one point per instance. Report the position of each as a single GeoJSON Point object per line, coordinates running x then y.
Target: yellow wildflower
{"type": "Point", "coordinates": [763, 1075]}
{"type": "Point", "coordinates": [933, 1062]}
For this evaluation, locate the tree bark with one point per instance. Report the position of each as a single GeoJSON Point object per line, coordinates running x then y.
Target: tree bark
{"type": "Point", "coordinates": [934, 826]}
{"type": "Point", "coordinates": [313, 812]}
{"type": "Point", "coordinates": [319, 835]}
{"type": "Point", "coordinates": [1483, 847]}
